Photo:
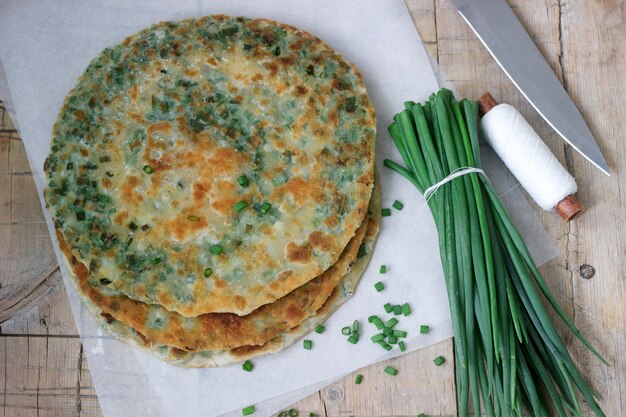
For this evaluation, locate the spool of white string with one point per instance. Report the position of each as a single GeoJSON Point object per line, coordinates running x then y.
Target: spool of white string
{"type": "Point", "coordinates": [526, 156]}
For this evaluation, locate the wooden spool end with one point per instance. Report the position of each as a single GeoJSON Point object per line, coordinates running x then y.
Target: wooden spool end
{"type": "Point", "coordinates": [569, 207]}
{"type": "Point", "coordinates": [485, 103]}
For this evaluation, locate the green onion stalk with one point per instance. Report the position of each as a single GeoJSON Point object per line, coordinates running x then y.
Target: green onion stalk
{"type": "Point", "coordinates": [508, 353]}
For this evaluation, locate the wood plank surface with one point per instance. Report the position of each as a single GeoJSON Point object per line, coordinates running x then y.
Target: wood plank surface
{"type": "Point", "coordinates": [43, 371]}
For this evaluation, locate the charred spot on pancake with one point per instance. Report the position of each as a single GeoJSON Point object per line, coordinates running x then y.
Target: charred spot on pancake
{"type": "Point", "coordinates": [107, 317]}
{"type": "Point", "coordinates": [332, 221]}
{"type": "Point", "coordinates": [199, 192]}
{"type": "Point", "coordinates": [299, 253]}
{"type": "Point", "coordinates": [175, 352]}
{"type": "Point", "coordinates": [272, 68]}
{"type": "Point", "coordinates": [293, 312]}
{"type": "Point", "coordinates": [144, 339]}
{"type": "Point", "coordinates": [319, 240]}
{"type": "Point", "coordinates": [301, 90]}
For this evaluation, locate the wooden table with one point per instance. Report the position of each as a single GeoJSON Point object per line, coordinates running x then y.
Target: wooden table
{"type": "Point", "coordinates": [43, 371]}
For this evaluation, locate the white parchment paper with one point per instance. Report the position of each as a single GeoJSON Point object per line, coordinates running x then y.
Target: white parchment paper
{"type": "Point", "coordinates": [45, 46]}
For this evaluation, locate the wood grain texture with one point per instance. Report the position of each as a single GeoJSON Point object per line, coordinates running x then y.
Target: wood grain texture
{"type": "Point", "coordinates": [43, 371]}
{"type": "Point", "coordinates": [27, 263]}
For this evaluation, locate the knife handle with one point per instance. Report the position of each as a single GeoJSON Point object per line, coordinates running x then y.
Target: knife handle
{"type": "Point", "coordinates": [569, 207]}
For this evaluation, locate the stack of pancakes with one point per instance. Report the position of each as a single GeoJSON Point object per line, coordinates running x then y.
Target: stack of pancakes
{"type": "Point", "coordinates": [212, 186]}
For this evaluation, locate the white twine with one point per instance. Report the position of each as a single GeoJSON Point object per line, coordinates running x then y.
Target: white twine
{"type": "Point", "coordinates": [526, 156]}
{"type": "Point", "coordinates": [459, 172]}
{"type": "Point", "coordinates": [506, 192]}
{"type": "Point", "coordinates": [428, 193]}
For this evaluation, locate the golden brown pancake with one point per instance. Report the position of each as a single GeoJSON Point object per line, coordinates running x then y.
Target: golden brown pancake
{"type": "Point", "coordinates": [212, 164]}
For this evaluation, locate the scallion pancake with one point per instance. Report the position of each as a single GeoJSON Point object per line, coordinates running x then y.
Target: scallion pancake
{"type": "Point", "coordinates": [212, 164]}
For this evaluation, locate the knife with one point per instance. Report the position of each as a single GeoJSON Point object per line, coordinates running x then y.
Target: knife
{"type": "Point", "coordinates": [503, 35]}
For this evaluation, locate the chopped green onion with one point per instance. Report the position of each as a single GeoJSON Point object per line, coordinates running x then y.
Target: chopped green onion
{"type": "Point", "coordinates": [358, 379]}
{"type": "Point", "coordinates": [383, 269]}
{"type": "Point", "coordinates": [243, 181]}
{"type": "Point", "coordinates": [320, 328]}
{"type": "Point", "coordinates": [421, 415]}
{"type": "Point", "coordinates": [385, 212]}
{"type": "Point", "coordinates": [156, 261]}
{"type": "Point", "coordinates": [439, 360]}
{"type": "Point", "coordinates": [346, 331]}
{"type": "Point", "coordinates": [378, 323]}
{"type": "Point", "coordinates": [371, 319]}
{"type": "Point", "coordinates": [399, 333]}
{"type": "Point", "coordinates": [391, 322]}
{"type": "Point", "coordinates": [248, 410]}
{"type": "Point", "coordinates": [240, 206]}
{"type": "Point", "coordinates": [315, 415]}
{"type": "Point", "coordinates": [424, 329]}
{"type": "Point", "coordinates": [354, 339]}
{"type": "Point", "coordinates": [132, 226]}
{"type": "Point", "coordinates": [307, 344]}
{"type": "Point", "coordinates": [148, 169]}
{"type": "Point", "coordinates": [406, 309]}
{"type": "Point", "coordinates": [80, 215]}
{"type": "Point", "coordinates": [398, 205]}
{"type": "Point", "coordinates": [384, 345]}
{"type": "Point", "coordinates": [283, 414]}
{"type": "Point", "coordinates": [208, 272]}
{"type": "Point", "coordinates": [388, 307]}
{"type": "Point", "coordinates": [292, 412]}
{"type": "Point", "coordinates": [379, 286]}
{"type": "Point", "coordinates": [355, 326]}
{"type": "Point", "coordinates": [247, 366]}
{"type": "Point", "coordinates": [193, 218]}
{"type": "Point", "coordinates": [391, 370]}
{"type": "Point", "coordinates": [392, 340]}
{"type": "Point", "coordinates": [402, 346]}
{"type": "Point", "coordinates": [362, 251]}
{"type": "Point", "coordinates": [397, 310]}
{"type": "Point", "coordinates": [265, 207]}
{"type": "Point", "coordinates": [378, 337]}
{"type": "Point", "coordinates": [387, 331]}
{"type": "Point", "coordinates": [104, 281]}
{"type": "Point", "coordinates": [216, 249]}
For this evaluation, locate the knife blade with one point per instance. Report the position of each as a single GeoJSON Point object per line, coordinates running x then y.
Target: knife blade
{"type": "Point", "coordinates": [505, 38]}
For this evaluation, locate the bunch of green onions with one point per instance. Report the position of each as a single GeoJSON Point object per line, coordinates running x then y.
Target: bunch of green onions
{"type": "Point", "coordinates": [507, 350]}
